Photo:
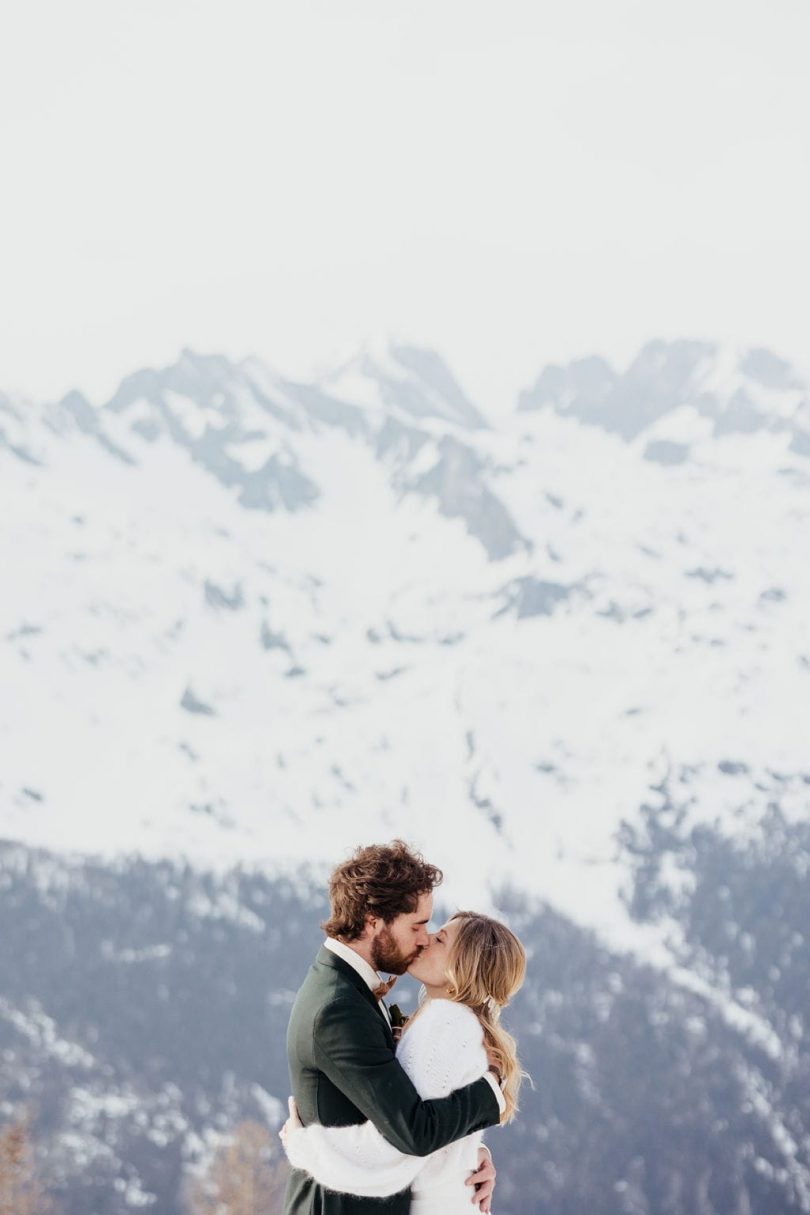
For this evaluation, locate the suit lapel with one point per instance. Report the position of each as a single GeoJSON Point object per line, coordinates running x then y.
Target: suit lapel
{"type": "Point", "coordinates": [327, 958]}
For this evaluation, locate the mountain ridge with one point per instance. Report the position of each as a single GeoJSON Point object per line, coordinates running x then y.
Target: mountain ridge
{"type": "Point", "coordinates": [218, 552]}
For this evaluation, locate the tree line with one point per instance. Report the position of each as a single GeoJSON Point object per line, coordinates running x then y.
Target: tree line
{"type": "Point", "coordinates": [245, 1175]}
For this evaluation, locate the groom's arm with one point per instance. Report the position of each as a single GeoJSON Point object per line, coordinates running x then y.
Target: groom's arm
{"type": "Point", "coordinates": [353, 1050]}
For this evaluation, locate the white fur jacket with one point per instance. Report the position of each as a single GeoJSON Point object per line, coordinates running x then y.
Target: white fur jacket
{"type": "Point", "coordinates": [443, 1050]}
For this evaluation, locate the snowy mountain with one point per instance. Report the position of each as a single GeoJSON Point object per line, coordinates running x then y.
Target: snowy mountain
{"type": "Point", "coordinates": [241, 604]}
{"type": "Point", "coordinates": [690, 388]}
{"type": "Point", "coordinates": [250, 621]}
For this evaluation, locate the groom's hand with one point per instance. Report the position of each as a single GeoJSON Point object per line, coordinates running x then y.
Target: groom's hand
{"type": "Point", "coordinates": [484, 1181]}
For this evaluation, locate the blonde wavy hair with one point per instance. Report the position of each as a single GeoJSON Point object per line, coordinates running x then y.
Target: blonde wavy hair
{"type": "Point", "coordinates": [486, 967]}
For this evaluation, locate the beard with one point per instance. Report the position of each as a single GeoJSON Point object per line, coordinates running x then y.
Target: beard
{"type": "Point", "coordinates": [387, 956]}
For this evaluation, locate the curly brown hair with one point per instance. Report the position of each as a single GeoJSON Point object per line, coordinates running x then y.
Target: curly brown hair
{"type": "Point", "coordinates": [383, 880]}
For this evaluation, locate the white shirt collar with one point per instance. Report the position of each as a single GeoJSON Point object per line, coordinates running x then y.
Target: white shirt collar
{"type": "Point", "coordinates": [351, 956]}
{"type": "Point", "coordinates": [366, 971]}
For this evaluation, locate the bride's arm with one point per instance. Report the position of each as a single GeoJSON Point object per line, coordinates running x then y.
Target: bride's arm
{"type": "Point", "coordinates": [446, 1052]}
{"type": "Point", "coordinates": [351, 1159]}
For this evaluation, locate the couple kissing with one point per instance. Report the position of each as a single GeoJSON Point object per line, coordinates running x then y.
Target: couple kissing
{"type": "Point", "coordinates": [387, 1117]}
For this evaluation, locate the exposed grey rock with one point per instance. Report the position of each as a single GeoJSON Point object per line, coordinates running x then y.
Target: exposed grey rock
{"type": "Point", "coordinates": [414, 381]}
{"type": "Point", "coordinates": [485, 805]}
{"type": "Point", "coordinates": [397, 635]}
{"type": "Point", "coordinates": [800, 443]}
{"type": "Point", "coordinates": [210, 380]}
{"type": "Point", "coordinates": [584, 386]}
{"type": "Point", "coordinates": [213, 383]}
{"type": "Point", "coordinates": [24, 630]}
{"type": "Point", "coordinates": [192, 704]}
{"type": "Point", "coordinates": [21, 453]}
{"type": "Point", "coordinates": [769, 369]}
{"type": "Point", "coordinates": [707, 575]}
{"type": "Point", "coordinates": [658, 380]}
{"type": "Point", "coordinates": [432, 372]}
{"type": "Point", "coordinates": [14, 420]}
{"type": "Point", "coordinates": [88, 419]}
{"type": "Point", "coordinates": [614, 612]}
{"type": "Point", "coordinates": [663, 377]}
{"type": "Point", "coordinates": [663, 451]}
{"type": "Point", "coordinates": [384, 676]}
{"type": "Point", "coordinates": [276, 484]}
{"type": "Point", "coordinates": [271, 640]}
{"type": "Point", "coordinates": [533, 597]}
{"type": "Point", "coordinates": [327, 409]}
{"type": "Point", "coordinates": [457, 482]}
{"type": "Point", "coordinates": [217, 597]}
{"type": "Point", "coordinates": [147, 429]}
{"type": "Point", "coordinates": [740, 416]}
{"type": "Point", "coordinates": [399, 442]}
{"type": "Point", "coordinates": [10, 408]}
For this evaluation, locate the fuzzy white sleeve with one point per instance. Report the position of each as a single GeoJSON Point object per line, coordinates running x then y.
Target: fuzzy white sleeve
{"type": "Point", "coordinates": [442, 1051]}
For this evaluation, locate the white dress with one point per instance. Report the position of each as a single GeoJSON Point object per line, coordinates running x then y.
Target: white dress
{"type": "Point", "coordinates": [443, 1050]}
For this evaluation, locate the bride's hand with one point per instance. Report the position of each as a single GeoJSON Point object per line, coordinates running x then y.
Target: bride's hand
{"type": "Point", "coordinates": [293, 1123]}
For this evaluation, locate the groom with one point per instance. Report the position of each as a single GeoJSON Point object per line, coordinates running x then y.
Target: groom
{"type": "Point", "coordinates": [340, 1047]}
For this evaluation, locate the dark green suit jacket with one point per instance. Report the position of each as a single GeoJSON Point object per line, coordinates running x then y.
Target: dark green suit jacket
{"type": "Point", "coordinates": [343, 1070]}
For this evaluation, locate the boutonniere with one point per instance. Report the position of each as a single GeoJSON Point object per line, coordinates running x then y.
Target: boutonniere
{"type": "Point", "coordinates": [398, 1020]}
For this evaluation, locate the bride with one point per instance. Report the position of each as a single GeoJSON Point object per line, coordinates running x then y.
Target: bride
{"type": "Point", "coordinates": [469, 972]}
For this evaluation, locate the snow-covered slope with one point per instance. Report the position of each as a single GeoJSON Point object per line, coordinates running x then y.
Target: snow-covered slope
{"type": "Point", "coordinates": [249, 619]}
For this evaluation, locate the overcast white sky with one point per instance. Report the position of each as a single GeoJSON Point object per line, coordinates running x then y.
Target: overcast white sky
{"type": "Point", "coordinates": [510, 181]}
